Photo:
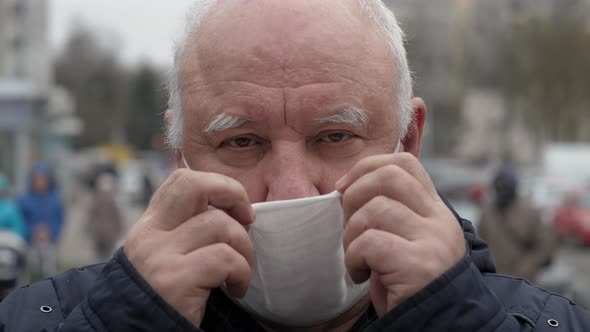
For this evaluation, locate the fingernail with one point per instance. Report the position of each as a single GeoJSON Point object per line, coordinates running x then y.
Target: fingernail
{"type": "Point", "coordinates": [252, 214]}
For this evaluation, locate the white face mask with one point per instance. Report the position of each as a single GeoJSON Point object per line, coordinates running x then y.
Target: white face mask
{"type": "Point", "coordinates": [299, 277]}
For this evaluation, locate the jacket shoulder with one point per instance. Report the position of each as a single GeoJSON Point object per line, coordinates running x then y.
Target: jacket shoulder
{"type": "Point", "coordinates": [72, 286]}
{"type": "Point", "coordinates": [518, 296]}
{"type": "Point", "coordinates": [46, 303]}
{"type": "Point", "coordinates": [537, 307]}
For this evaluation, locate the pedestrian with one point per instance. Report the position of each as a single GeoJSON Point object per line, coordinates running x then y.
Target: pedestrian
{"type": "Point", "coordinates": [512, 227]}
{"type": "Point", "coordinates": [43, 211]}
{"type": "Point", "coordinates": [104, 216]}
{"type": "Point", "coordinates": [300, 203]}
{"type": "Point", "coordinates": [42, 203]}
{"type": "Point", "coordinates": [10, 216]}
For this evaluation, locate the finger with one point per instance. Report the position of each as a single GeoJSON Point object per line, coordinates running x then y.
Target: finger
{"type": "Point", "coordinates": [375, 251]}
{"type": "Point", "coordinates": [188, 193]}
{"type": "Point", "coordinates": [384, 214]}
{"type": "Point", "coordinates": [217, 264]}
{"type": "Point", "coordinates": [389, 181]}
{"type": "Point", "coordinates": [404, 160]}
{"type": "Point", "coordinates": [209, 228]}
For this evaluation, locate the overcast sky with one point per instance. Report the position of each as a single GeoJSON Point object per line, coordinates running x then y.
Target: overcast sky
{"type": "Point", "coordinates": [145, 28]}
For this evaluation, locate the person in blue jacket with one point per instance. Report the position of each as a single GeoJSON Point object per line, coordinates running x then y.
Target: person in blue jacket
{"type": "Point", "coordinates": [41, 204]}
{"type": "Point", "coordinates": [10, 215]}
{"type": "Point", "coordinates": [276, 101]}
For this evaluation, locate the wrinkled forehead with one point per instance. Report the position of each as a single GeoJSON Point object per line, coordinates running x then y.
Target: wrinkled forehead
{"type": "Point", "coordinates": [287, 43]}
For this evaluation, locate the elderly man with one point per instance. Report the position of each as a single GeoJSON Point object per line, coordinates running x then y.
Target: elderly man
{"type": "Point", "coordinates": [280, 102]}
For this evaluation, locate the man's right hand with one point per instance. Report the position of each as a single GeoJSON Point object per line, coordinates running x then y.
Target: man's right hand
{"type": "Point", "coordinates": [183, 250]}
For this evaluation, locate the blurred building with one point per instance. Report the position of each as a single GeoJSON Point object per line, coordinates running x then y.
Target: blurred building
{"type": "Point", "coordinates": [431, 30]}
{"type": "Point", "coordinates": [20, 105]}
{"type": "Point", "coordinates": [24, 45]}
{"type": "Point", "coordinates": [455, 49]}
{"type": "Point", "coordinates": [490, 135]}
{"type": "Point", "coordinates": [36, 117]}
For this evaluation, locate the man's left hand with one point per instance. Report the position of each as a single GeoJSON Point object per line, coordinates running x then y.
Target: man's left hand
{"type": "Point", "coordinates": [398, 232]}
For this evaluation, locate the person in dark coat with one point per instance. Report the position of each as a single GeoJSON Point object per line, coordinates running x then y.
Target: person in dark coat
{"type": "Point", "coordinates": [275, 101]}
{"type": "Point", "coordinates": [521, 244]}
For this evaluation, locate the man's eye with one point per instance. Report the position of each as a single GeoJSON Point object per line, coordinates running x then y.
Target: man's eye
{"type": "Point", "coordinates": [240, 142]}
{"type": "Point", "coordinates": [336, 138]}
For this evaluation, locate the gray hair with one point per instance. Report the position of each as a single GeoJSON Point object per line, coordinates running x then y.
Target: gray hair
{"type": "Point", "coordinates": [377, 10]}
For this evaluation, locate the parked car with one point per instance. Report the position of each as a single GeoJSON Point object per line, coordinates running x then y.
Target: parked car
{"type": "Point", "coordinates": [572, 217]}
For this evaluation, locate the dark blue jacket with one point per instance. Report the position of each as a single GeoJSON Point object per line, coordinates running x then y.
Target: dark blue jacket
{"type": "Point", "coordinates": [44, 208]}
{"type": "Point", "coordinates": [113, 297]}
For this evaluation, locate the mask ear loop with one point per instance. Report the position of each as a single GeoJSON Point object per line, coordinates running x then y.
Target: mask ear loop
{"type": "Point", "coordinates": [184, 161]}
{"type": "Point", "coordinates": [398, 147]}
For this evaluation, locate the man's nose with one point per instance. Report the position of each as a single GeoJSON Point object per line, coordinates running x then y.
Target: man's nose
{"type": "Point", "coordinates": [289, 174]}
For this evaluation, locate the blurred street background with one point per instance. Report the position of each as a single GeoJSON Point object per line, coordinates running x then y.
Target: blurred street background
{"type": "Point", "coordinates": [82, 99]}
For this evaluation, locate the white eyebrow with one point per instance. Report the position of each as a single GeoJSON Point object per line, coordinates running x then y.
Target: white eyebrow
{"type": "Point", "coordinates": [223, 122]}
{"type": "Point", "coordinates": [348, 115]}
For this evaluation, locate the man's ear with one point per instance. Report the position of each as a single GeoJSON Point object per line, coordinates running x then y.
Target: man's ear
{"type": "Point", "coordinates": [412, 142]}
{"type": "Point", "coordinates": [178, 152]}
